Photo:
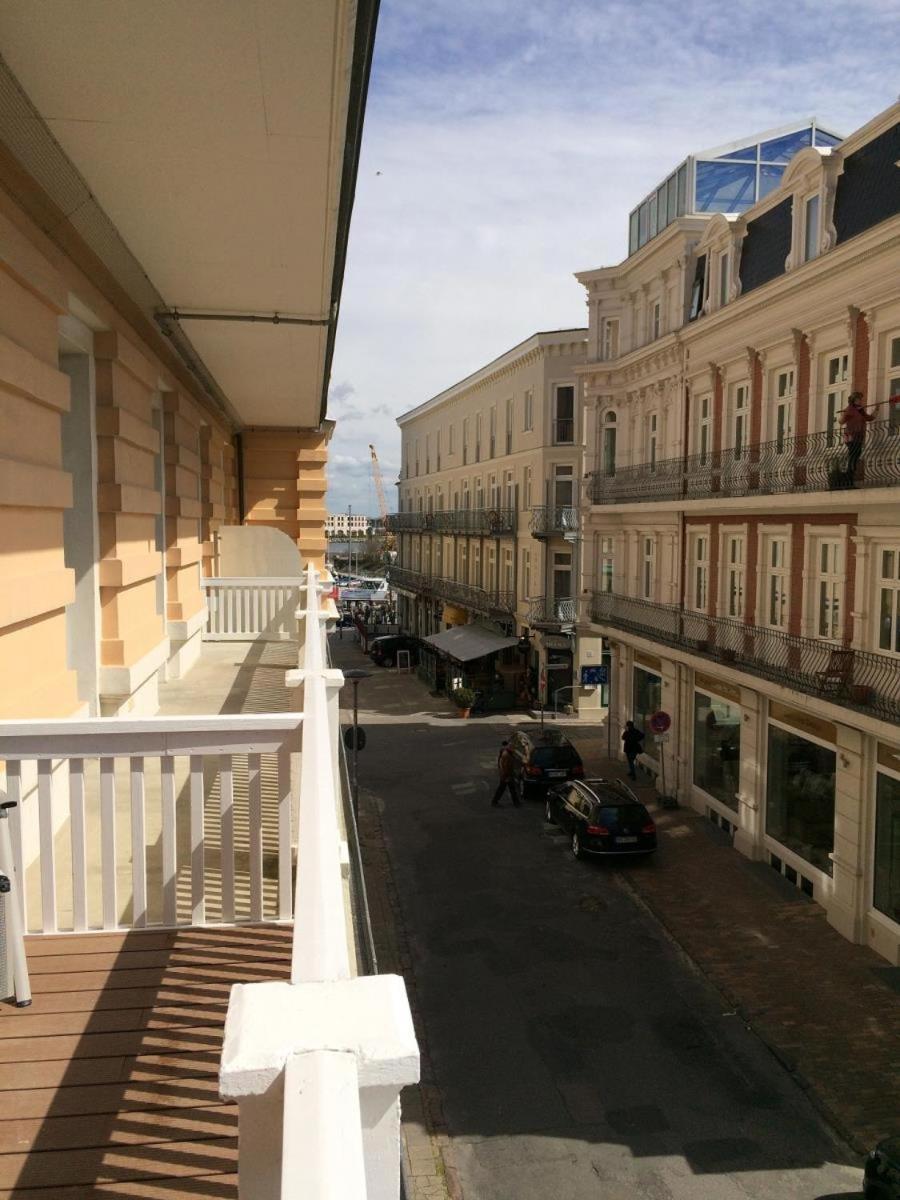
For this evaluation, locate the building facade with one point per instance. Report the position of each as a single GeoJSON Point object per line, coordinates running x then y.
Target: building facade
{"type": "Point", "coordinates": [488, 521]}
{"type": "Point", "coordinates": [742, 558]}
{"type": "Point", "coordinates": [154, 382]}
{"type": "Point", "coordinates": [342, 525]}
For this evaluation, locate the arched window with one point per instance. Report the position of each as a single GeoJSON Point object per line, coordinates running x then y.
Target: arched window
{"type": "Point", "coordinates": [608, 444]}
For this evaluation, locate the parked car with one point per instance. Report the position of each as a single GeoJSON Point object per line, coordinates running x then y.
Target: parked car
{"type": "Point", "coordinates": [383, 650]}
{"type": "Point", "coordinates": [882, 1174]}
{"type": "Point", "coordinates": [543, 759]}
{"type": "Point", "coordinates": [601, 816]}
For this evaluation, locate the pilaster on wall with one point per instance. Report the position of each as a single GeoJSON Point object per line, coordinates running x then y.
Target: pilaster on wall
{"type": "Point", "coordinates": [129, 505]}
{"type": "Point", "coordinates": [34, 489]}
{"type": "Point", "coordinates": [803, 381]}
{"type": "Point", "coordinates": [284, 486]}
{"type": "Point", "coordinates": [183, 425]}
{"type": "Point", "coordinates": [861, 355]}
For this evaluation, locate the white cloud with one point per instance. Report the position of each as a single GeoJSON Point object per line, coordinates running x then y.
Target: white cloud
{"type": "Point", "coordinates": [512, 140]}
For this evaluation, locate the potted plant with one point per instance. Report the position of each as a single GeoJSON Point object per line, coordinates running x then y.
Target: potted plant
{"type": "Point", "coordinates": [463, 698]}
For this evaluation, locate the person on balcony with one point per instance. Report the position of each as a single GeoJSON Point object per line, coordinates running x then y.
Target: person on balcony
{"type": "Point", "coordinates": [632, 745]}
{"type": "Point", "coordinates": [854, 419]}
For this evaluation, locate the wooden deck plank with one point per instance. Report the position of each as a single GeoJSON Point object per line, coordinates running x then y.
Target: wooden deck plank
{"type": "Point", "coordinates": [109, 1082]}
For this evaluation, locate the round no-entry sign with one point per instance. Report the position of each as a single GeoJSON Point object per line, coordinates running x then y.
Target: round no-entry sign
{"type": "Point", "coordinates": [660, 722]}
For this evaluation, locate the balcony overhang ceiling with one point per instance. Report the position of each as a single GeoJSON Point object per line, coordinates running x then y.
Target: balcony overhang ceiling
{"type": "Point", "coordinates": [220, 138]}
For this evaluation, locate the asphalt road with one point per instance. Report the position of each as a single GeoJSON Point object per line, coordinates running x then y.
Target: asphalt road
{"type": "Point", "coordinates": [579, 1053]}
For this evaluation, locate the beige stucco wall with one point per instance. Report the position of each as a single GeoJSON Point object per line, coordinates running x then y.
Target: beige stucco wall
{"type": "Point", "coordinates": [284, 485]}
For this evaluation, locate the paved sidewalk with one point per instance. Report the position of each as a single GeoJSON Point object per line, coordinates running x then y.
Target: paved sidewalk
{"type": "Point", "coordinates": [829, 1010]}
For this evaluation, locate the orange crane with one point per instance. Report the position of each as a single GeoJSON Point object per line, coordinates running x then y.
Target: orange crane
{"type": "Point", "coordinates": [387, 540]}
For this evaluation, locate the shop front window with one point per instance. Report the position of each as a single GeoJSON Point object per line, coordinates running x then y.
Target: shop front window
{"type": "Point", "coordinates": [800, 796]}
{"type": "Point", "coordinates": [887, 846]}
{"type": "Point", "coordinates": [647, 701]}
{"type": "Point", "coordinates": [717, 747]}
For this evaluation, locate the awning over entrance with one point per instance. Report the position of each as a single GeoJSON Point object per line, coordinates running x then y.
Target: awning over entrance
{"type": "Point", "coordinates": [467, 642]}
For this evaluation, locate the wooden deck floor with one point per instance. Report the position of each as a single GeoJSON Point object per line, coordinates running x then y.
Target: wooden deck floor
{"type": "Point", "coordinates": [108, 1082]}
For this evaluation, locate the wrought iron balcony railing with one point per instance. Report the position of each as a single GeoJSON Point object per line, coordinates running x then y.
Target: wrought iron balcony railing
{"type": "Point", "coordinates": [550, 610]}
{"type": "Point", "coordinates": [479, 522]}
{"type": "Point", "coordinates": [563, 431]}
{"type": "Point", "coordinates": [550, 519]}
{"type": "Point", "coordinates": [467, 595]}
{"type": "Point", "coordinates": [811, 462]}
{"type": "Point", "coordinates": [859, 679]}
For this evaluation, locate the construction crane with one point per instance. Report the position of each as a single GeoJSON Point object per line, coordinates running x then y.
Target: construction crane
{"type": "Point", "coordinates": [387, 538]}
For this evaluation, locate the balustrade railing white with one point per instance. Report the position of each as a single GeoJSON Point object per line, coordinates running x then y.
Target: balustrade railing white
{"type": "Point", "coordinates": [317, 1064]}
{"type": "Point", "coordinates": [250, 609]}
{"type": "Point", "coordinates": [132, 823]}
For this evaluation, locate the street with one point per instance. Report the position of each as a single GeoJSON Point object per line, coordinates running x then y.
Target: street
{"type": "Point", "coordinates": [577, 1051]}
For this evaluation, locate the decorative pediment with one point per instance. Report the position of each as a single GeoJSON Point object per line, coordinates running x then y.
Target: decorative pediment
{"type": "Point", "coordinates": [804, 163]}
{"type": "Point", "coordinates": [716, 233]}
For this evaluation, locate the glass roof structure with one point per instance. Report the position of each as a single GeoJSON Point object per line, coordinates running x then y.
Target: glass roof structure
{"type": "Point", "coordinates": [726, 179]}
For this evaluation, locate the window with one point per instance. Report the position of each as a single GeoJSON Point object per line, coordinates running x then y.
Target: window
{"type": "Point", "coordinates": [735, 557]}
{"type": "Point", "coordinates": [717, 748]}
{"type": "Point", "coordinates": [828, 588]}
{"type": "Point", "coordinates": [427, 453]}
{"type": "Point", "coordinates": [509, 425]}
{"type": "Point", "coordinates": [740, 411]}
{"type": "Point", "coordinates": [607, 564]}
{"type": "Point", "coordinates": [526, 488]}
{"type": "Point", "coordinates": [699, 583]}
{"type": "Point", "coordinates": [784, 409]}
{"type": "Point", "coordinates": [889, 600]}
{"type": "Point", "coordinates": [698, 289]}
{"type": "Point", "coordinates": [478, 437]}
{"type": "Point", "coordinates": [652, 438]}
{"type": "Point", "coordinates": [492, 432]}
{"type": "Point", "coordinates": [465, 494]}
{"type": "Point", "coordinates": [647, 689]}
{"type": "Point", "coordinates": [810, 228]}
{"type": "Point", "coordinates": [508, 573]}
{"type": "Point", "coordinates": [608, 445]}
{"type": "Point", "coordinates": [704, 428]}
{"type": "Point", "coordinates": [723, 278]}
{"type": "Point", "coordinates": [509, 491]}
{"type": "Point", "coordinates": [800, 796]}
{"type": "Point", "coordinates": [450, 439]}
{"type": "Point", "coordinates": [610, 344]}
{"type": "Point", "coordinates": [837, 385]}
{"type": "Point", "coordinates": [648, 568]}
{"type": "Point", "coordinates": [479, 495]}
{"type": "Point", "coordinates": [894, 384]}
{"type": "Point", "coordinates": [562, 580]}
{"type": "Point", "coordinates": [886, 877]}
{"type": "Point", "coordinates": [776, 581]}
{"type": "Point", "coordinates": [656, 320]}
{"type": "Point", "coordinates": [417, 456]}
{"type": "Point", "coordinates": [437, 450]}
{"type": "Point", "coordinates": [564, 423]}
{"type": "Point", "coordinates": [528, 412]}
{"type": "Point", "coordinates": [525, 590]}
{"type": "Point", "coordinates": [465, 440]}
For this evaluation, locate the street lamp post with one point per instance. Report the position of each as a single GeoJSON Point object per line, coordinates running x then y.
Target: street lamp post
{"type": "Point", "coordinates": [355, 675]}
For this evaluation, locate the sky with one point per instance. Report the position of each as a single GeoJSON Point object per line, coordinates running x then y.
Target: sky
{"type": "Point", "coordinates": [505, 143]}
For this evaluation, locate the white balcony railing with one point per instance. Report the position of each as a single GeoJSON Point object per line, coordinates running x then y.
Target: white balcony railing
{"type": "Point", "coordinates": [317, 1064]}
{"type": "Point", "coordinates": [250, 609]}
{"type": "Point", "coordinates": [187, 793]}
{"type": "Point", "coordinates": [126, 824]}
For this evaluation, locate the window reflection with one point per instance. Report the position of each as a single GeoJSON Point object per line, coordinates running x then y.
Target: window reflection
{"type": "Point", "coordinates": [800, 796]}
{"type": "Point", "coordinates": [717, 747]}
{"type": "Point", "coordinates": [887, 847]}
{"type": "Point", "coordinates": [781, 150]}
{"type": "Point", "coordinates": [725, 187]}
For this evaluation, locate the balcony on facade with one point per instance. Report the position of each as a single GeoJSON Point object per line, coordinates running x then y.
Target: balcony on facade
{"type": "Point", "coordinates": [551, 612]}
{"type": "Point", "coordinates": [810, 462]}
{"type": "Point", "coordinates": [860, 679]}
{"type": "Point", "coordinates": [555, 520]}
{"type": "Point", "coordinates": [564, 431]}
{"type": "Point", "coordinates": [475, 522]}
{"type": "Point", "coordinates": [488, 601]}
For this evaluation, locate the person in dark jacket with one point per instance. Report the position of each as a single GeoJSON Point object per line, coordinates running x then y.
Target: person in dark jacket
{"type": "Point", "coordinates": [854, 419]}
{"type": "Point", "coordinates": [505, 765]}
{"type": "Point", "coordinates": [632, 744]}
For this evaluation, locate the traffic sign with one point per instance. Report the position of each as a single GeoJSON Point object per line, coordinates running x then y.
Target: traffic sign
{"type": "Point", "coordinates": [360, 737]}
{"type": "Point", "coordinates": [660, 722]}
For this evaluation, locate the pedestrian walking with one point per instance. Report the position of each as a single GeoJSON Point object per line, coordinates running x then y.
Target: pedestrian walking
{"type": "Point", "coordinates": [632, 744]}
{"type": "Point", "coordinates": [854, 419]}
{"type": "Point", "coordinates": [505, 766]}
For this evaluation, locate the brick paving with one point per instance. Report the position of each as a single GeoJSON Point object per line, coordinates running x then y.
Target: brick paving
{"type": "Point", "coordinates": [824, 1007]}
